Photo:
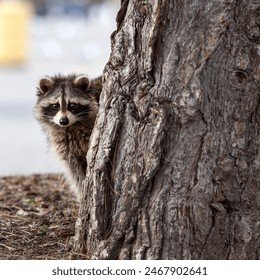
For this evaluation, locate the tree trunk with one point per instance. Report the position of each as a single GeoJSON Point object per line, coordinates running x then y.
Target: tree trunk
{"type": "Point", "coordinates": [173, 163]}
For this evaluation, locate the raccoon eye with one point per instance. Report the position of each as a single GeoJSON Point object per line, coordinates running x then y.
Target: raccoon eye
{"type": "Point", "coordinates": [73, 106]}
{"type": "Point", "coordinates": [55, 106]}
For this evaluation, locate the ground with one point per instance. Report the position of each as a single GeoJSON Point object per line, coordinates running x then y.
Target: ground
{"type": "Point", "coordinates": [37, 218]}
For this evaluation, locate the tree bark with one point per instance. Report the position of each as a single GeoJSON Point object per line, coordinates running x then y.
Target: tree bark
{"type": "Point", "coordinates": [173, 162]}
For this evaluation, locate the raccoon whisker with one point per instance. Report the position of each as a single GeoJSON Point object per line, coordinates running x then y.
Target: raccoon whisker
{"type": "Point", "coordinates": [84, 119]}
{"type": "Point", "coordinates": [83, 113]}
{"type": "Point", "coordinates": [47, 116]}
{"type": "Point", "coordinates": [82, 122]}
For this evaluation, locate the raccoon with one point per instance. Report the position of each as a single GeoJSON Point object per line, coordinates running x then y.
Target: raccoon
{"type": "Point", "coordinates": [66, 108]}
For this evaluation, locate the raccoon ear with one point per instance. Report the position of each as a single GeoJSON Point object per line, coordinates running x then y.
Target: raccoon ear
{"type": "Point", "coordinates": [45, 84]}
{"type": "Point", "coordinates": [82, 82]}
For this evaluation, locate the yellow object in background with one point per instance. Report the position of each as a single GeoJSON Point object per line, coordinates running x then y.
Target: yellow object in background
{"type": "Point", "coordinates": [14, 21]}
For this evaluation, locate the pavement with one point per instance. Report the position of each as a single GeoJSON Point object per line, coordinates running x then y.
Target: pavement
{"type": "Point", "coordinates": [57, 45]}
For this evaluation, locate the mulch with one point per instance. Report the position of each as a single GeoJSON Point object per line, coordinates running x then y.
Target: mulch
{"type": "Point", "coordinates": [37, 217]}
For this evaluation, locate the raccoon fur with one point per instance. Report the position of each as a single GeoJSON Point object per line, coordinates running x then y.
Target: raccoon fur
{"type": "Point", "coordinates": [66, 108]}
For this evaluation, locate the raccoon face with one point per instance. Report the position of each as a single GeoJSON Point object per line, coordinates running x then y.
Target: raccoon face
{"type": "Point", "coordinates": [65, 101]}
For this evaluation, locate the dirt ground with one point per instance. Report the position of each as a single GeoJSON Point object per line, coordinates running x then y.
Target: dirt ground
{"type": "Point", "coordinates": [37, 217]}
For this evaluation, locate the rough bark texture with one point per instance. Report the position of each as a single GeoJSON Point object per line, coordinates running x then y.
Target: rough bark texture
{"type": "Point", "coordinates": [173, 165]}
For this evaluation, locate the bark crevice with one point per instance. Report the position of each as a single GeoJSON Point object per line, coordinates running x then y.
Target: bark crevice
{"type": "Point", "coordinates": [173, 163]}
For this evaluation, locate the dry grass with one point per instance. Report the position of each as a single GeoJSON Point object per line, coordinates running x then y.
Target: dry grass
{"type": "Point", "coordinates": [37, 217]}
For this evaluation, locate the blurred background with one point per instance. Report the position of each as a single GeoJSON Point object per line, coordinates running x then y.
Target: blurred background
{"type": "Point", "coordinates": [39, 37]}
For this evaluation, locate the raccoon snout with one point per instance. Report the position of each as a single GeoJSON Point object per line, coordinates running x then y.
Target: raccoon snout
{"type": "Point", "coordinates": [64, 121]}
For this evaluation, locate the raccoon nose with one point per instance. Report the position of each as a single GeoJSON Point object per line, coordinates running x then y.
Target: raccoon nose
{"type": "Point", "coordinates": [64, 121]}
